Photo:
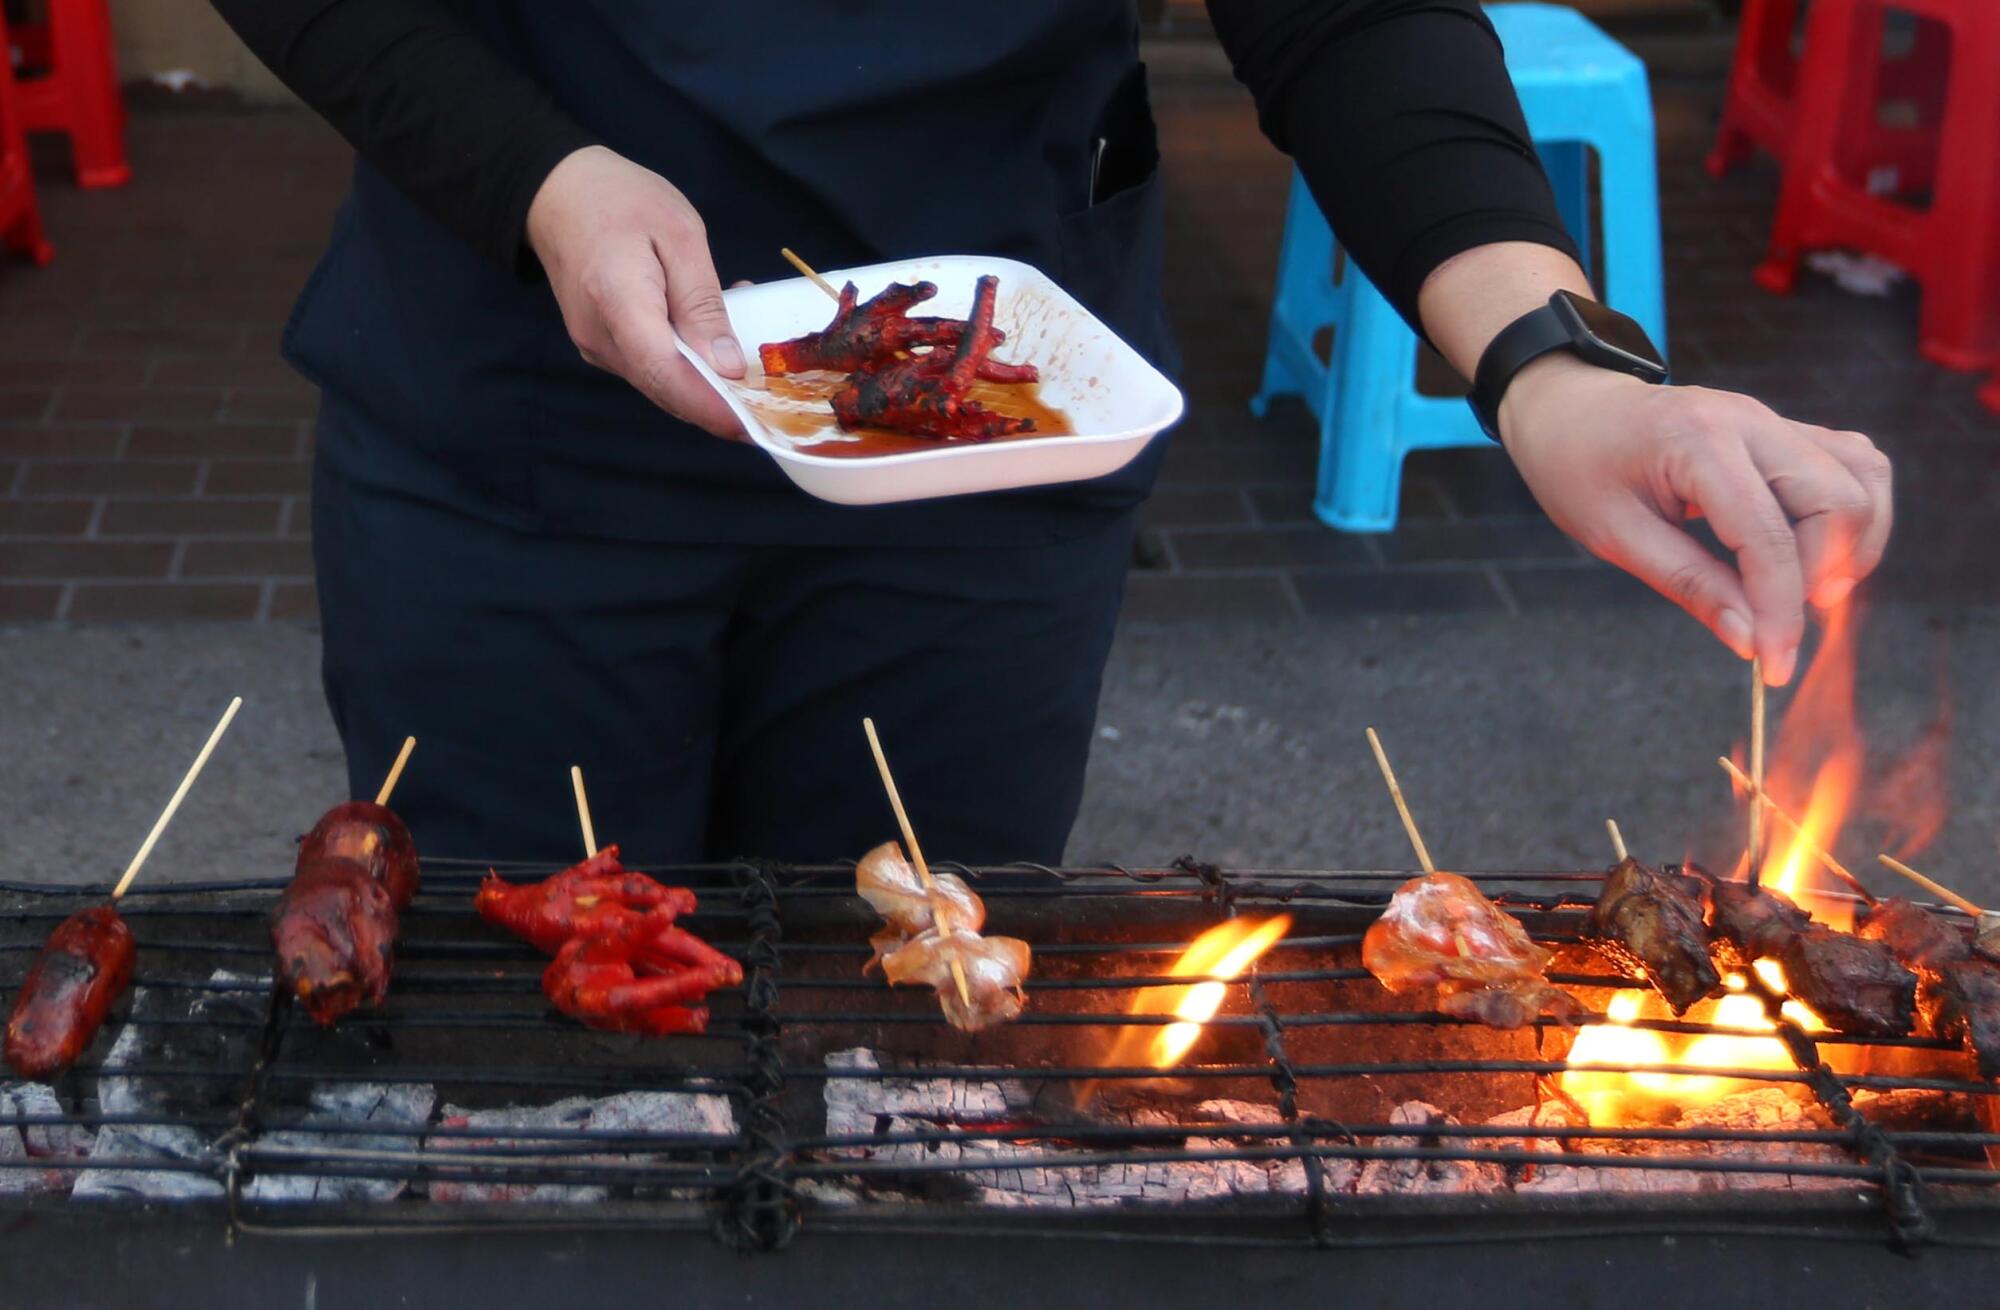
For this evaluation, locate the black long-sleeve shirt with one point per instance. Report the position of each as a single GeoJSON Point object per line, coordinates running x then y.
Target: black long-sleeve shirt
{"type": "Point", "coordinates": [1398, 112]}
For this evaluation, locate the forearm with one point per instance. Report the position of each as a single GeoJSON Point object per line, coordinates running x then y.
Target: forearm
{"type": "Point", "coordinates": [1471, 297]}
{"type": "Point", "coordinates": [1404, 124]}
{"type": "Point", "coordinates": [426, 100]}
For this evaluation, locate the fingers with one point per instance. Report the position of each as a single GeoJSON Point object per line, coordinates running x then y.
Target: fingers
{"type": "Point", "coordinates": [694, 301]}
{"type": "Point", "coordinates": [1871, 469]}
{"type": "Point", "coordinates": [1714, 470]}
{"type": "Point", "coordinates": [1680, 568]}
{"type": "Point", "coordinates": [1831, 510]}
{"type": "Point", "coordinates": [644, 353]}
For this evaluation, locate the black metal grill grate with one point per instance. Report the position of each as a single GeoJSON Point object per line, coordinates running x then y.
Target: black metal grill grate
{"type": "Point", "coordinates": [1307, 1035]}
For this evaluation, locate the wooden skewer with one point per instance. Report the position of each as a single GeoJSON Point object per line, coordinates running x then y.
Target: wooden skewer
{"type": "Point", "coordinates": [1939, 890]}
{"type": "Point", "coordinates": [583, 810]}
{"type": "Point", "coordinates": [807, 269]}
{"type": "Point", "coordinates": [1402, 806]}
{"type": "Point", "coordinates": [917, 857]}
{"type": "Point", "coordinates": [1756, 768]}
{"type": "Point", "coordinates": [180, 794]}
{"type": "Point", "coordinates": [1617, 840]}
{"type": "Point", "coordinates": [395, 771]}
{"type": "Point", "coordinates": [1833, 866]}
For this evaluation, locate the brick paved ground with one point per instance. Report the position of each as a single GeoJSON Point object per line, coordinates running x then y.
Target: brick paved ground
{"type": "Point", "coordinates": [154, 450]}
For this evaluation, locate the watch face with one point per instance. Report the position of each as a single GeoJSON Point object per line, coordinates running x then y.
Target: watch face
{"type": "Point", "coordinates": [1616, 336]}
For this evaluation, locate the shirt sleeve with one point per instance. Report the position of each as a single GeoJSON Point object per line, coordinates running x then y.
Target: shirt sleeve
{"type": "Point", "coordinates": [423, 98]}
{"type": "Point", "coordinates": [1404, 124]}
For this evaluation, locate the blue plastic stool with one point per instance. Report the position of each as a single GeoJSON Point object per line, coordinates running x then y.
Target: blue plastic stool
{"type": "Point", "coordinates": [1580, 89]}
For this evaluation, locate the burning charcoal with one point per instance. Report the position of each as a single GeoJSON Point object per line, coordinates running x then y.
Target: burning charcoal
{"type": "Point", "coordinates": [1961, 1003]}
{"type": "Point", "coordinates": [49, 1142]}
{"type": "Point", "coordinates": [406, 1105]}
{"type": "Point", "coordinates": [657, 1113]}
{"type": "Point", "coordinates": [1649, 924]}
{"type": "Point", "coordinates": [1856, 986]}
{"type": "Point", "coordinates": [1920, 939]}
{"type": "Point", "coordinates": [1426, 1177]}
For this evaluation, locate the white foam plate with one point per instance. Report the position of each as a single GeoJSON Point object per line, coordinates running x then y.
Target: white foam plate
{"type": "Point", "coordinates": [1115, 400]}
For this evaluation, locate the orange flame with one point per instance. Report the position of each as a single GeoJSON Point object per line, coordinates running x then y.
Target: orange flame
{"type": "Point", "coordinates": [1815, 772]}
{"type": "Point", "coordinates": [1222, 952]}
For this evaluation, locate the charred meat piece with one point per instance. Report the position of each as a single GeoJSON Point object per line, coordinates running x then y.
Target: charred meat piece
{"type": "Point", "coordinates": [1920, 939]}
{"type": "Point", "coordinates": [84, 967]}
{"type": "Point", "coordinates": [549, 913]}
{"type": "Point", "coordinates": [638, 974]}
{"type": "Point", "coordinates": [1958, 993]}
{"type": "Point", "coordinates": [1441, 930]}
{"type": "Point", "coordinates": [1855, 985]}
{"type": "Point", "coordinates": [334, 931]}
{"type": "Point", "coordinates": [927, 395]}
{"type": "Point", "coordinates": [1960, 1000]}
{"type": "Point", "coordinates": [913, 947]}
{"type": "Point", "coordinates": [372, 835]}
{"type": "Point", "coordinates": [1650, 923]}
{"type": "Point", "coordinates": [1753, 924]}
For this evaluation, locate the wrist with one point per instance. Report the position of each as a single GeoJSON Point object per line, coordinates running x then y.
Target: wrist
{"type": "Point", "coordinates": [545, 209]}
{"type": "Point", "coordinates": [1550, 384]}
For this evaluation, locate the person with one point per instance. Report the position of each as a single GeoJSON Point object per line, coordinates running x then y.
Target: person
{"type": "Point", "coordinates": [537, 545]}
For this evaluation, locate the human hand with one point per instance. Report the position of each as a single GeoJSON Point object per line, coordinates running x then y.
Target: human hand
{"type": "Point", "coordinates": [627, 258]}
{"type": "Point", "coordinates": [1620, 464]}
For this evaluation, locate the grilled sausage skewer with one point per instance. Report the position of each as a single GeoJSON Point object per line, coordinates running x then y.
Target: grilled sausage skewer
{"type": "Point", "coordinates": [334, 929]}
{"type": "Point", "coordinates": [87, 962]}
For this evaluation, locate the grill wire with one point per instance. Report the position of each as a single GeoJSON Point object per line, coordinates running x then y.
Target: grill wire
{"type": "Point", "coordinates": [462, 988]}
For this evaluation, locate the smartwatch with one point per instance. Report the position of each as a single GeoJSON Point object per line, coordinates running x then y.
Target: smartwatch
{"type": "Point", "coordinates": [1594, 333]}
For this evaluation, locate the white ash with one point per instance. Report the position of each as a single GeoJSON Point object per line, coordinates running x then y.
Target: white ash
{"type": "Point", "coordinates": [402, 1105]}
{"type": "Point", "coordinates": [1031, 1172]}
{"type": "Point", "coordinates": [118, 1095]}
{"type": "Point", "coordinates": [1766, 1109]}
{"type": "Point", "coordinates": [1427, 1176]}
{"type": "Point", "coordinates": [657, 1113]}
{"type": "Point", "coordinates": [27, 1142]}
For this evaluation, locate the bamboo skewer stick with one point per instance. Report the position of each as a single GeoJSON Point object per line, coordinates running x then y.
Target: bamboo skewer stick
{"type": "Point", "coordinates": [1756, 768]}
{"type": "Point", "coordinates": [583, 811]}
{"type": "Point", "coordinates": [1402, 806]}
{"type": "Point", "coordinates": [1936, 889]}
{"type": "Point", "coordinates": [1757, 795]}
{"type": "Point", "coordinates": [1617, 840]}
{"type": "Point", "coordinates": [807, 269]}
{"type": "Point", "coordinates": [180, 794]}
{"type": "Point", "coordinates": [395, 771]}
{"type": "Point", "coordinates": [917, 857]}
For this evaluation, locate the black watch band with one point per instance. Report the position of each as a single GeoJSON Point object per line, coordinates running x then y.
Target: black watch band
{"type": "Point", "coordinates": [1592, 332]}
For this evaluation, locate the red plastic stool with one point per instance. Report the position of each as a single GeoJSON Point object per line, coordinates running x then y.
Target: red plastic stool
{"type": "Point", "coordinates": [1990, 394]}
{"type": "Point", "coordinates": [69, 84]}
{"type": "Point", "coordinates": [20, 214]}
{"type": "Point", "coordinates": [1757, 111]}
{"type": "Point", "coordinates": [1952, 248]}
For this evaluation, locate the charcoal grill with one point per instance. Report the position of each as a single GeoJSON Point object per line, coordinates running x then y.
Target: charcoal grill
{"type": "Point", "coordinates": [215, 1125]}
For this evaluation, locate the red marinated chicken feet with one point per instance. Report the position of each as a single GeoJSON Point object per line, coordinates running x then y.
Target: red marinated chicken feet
{"type": "Point", "coordinates": [637, 977]}
{"type": "Point", "coordinates": [926, 395]}
{"type": "Point", "coordinates": [576, 901]}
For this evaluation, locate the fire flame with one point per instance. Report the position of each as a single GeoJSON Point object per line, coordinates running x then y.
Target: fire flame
{"type": "Point", "coordinates": [1224, 951]}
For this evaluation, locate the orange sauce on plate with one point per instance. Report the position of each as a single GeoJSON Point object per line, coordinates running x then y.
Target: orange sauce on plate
{"type": "Point", "coordinates": [809, 413]}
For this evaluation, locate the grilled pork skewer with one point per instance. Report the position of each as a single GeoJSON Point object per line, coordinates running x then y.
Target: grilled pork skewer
{"type": "Point", "coordinates": [1856, 986]}
{"type": "Point", "coordinates": [1440, 929]}
{"type": "Point", "coordinates": [917, 942]}
{"type": "Point", "coordinates": [1651, 923]}
{"type": "Point", "coordinates": [1958, 992]}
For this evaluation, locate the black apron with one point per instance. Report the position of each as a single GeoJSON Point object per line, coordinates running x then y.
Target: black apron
{"type": "Point", "coordinates": [852, 132]}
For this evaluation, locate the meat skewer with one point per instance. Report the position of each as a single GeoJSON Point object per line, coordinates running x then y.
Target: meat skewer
{"type": "Point", "coordinates": [334, 929]}
{"type": "Point", "coordinates": [931, 938]}
{"type": "Point", "coordinates": [1441, 930]}
{"type": "Point", "coordinates": [1651, 924]}
{"type": "Point", "coordinates": [621, 962]}
{"type": "Point", "coordinates": [87, 962]}
{"type": "Point", "coordinates": [1986, 941]}
{"type": "Point", "coordinates": [1856, 986]}
{"type": "Point", "coordinates": [1958, 992]}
